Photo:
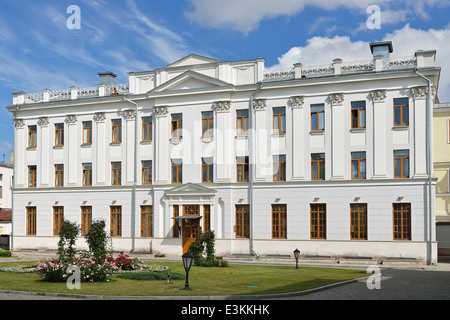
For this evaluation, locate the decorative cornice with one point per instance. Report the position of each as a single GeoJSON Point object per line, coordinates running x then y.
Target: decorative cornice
{"type": "Point", "coordinates": [44, 121]}
{"type": "Point", "coordinates": [72, 119]}
{"type": "Point", "coordinates": [259, 104]}
{"type": "Point", "coordinates": [378, 95]}
{"type": "Point", "coordinates": [336, 98]}
{"type": "Point", "coordinates": [161, 111]}
{"type": "Point", "coordinates": [222, 106]}
{"type": "Point", "coordinates": [19, 123]}
{"type": "Point", "coordinates": [100, 116]}
{"type": "Point", "coordinates": [297, 101]}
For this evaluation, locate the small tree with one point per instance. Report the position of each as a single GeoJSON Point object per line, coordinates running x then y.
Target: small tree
{"type": "Point", "coordinates": [203, 250]}
{"type": "Point", "coordinates": [97, 239]}
{"type": "Point", "coordinates": [67, 238]}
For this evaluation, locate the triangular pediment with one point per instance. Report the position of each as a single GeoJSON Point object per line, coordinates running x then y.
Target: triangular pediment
{"type": "Point", "coordinates": [190, 189]}
{"type": "Point", "coordinates": [190, 80]}
{"type": "Point", "coordinates": [191, 60]}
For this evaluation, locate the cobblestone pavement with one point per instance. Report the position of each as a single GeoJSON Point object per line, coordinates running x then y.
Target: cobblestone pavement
{"type": "Point", "coordinates": [397, 283]}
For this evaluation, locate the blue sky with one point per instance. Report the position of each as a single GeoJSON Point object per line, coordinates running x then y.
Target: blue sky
{"type": "Point", "coordinates": [39, 51]}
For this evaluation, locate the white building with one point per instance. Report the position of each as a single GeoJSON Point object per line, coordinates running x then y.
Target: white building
{"type": "Point", "coordinates": [6, 180]}
{"type": "Point", "coordinates": [339, 154]}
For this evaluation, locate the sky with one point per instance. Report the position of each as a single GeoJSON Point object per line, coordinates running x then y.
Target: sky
{"type": "Point", "coordinates": [46, 44]}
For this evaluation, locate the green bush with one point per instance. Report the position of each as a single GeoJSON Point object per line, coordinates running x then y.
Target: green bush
{"type": "Point", "coordinates": [203, 251]}
{"type": "Point", "coordinates": [67, 238]}
{"type": "Point", "coordinates": [5, 253]}
{"type": "Point", "coordinates": [151, 276]}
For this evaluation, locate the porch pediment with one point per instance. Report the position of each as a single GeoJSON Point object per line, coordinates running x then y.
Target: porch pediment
{"type": "Point", "coordinates": [190, 189]}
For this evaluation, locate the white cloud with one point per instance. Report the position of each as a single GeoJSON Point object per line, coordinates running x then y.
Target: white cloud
{"type": "Point", "coordinates": [406, 41]}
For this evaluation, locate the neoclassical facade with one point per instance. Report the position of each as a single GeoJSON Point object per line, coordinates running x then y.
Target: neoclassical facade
{"type": "Point", "coordinates": [332, 159]}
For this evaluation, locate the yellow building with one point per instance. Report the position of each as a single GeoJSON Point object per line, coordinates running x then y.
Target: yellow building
{"type": "Point", "coordinates": [441, 159]}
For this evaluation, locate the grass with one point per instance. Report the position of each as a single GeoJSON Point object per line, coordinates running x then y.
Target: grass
{"type": "Point", "coordinates": [204, 281]}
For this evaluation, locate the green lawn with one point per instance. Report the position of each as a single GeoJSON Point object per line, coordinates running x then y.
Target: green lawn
{"type": "Point", "coordinates": [232, 280]}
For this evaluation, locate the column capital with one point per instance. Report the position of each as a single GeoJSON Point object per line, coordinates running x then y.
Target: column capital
{"type": "Point", "coordinates": [421, 92]}
{"type": "Point", "coordinates": [72, 119]}
{"type": "Point", "coordinates": [130, 114]}
{"type": "Point", "coordinates": [100, 116]}
{"type": "Point", "coordinates": [161, 111]}
{"type": "Point", "coordinates": [259, 104]}
{"type": "Point", "coordinates": [19, 123]}
{"type": "Point", "coordinates": [378, 95]}
{"type": "Point", "coordinates": [222, 106]}
{"type": "Point", "coordinates": [297, 101]}
{"type": "Point", "coordinates": [336, 99]}
{"type": "Point", "coordinates": [44, 121]}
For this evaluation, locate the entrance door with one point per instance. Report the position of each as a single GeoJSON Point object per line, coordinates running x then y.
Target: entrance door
{"type": "Point", "coordinates": [190, 227]}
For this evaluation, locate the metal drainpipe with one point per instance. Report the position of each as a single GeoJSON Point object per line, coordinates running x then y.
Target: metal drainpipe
{"type": "Point", "coordinates": [429, 150]}
{"type": "Point", "coordinates": [251, 167]}
{"type": "Point", "coordinates": [133, 194]}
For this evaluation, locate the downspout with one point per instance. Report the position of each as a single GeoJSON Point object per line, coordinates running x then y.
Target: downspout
{"type": "Point", "coordinates": [133, 194]}
{"type": "Point", "coordinates": [429, 155]}
{"type": "Point", "coordinates": [251, 166]}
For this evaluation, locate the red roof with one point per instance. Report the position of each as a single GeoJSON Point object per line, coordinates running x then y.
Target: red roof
{"type": "Point", "coordinates": [6, 215]}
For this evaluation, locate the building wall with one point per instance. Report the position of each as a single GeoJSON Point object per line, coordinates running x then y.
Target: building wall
{"type": "Point", "coordinates": [6, 173]}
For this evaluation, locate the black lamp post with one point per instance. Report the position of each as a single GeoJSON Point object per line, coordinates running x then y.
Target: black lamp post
{"type": "Point", "coordinates": [296, 255]}
{"type": "Point", "coordinates": [187, 258]}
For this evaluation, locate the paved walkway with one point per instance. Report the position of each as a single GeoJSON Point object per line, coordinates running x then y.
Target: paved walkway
{"type": "Point", "coordinates": [401, 282]}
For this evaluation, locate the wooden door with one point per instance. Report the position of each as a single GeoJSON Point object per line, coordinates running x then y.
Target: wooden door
{"type": "Point", "coordinates": [190, 227]}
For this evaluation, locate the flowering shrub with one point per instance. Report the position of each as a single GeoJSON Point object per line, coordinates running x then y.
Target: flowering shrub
{"type": "Point", "coordinates": [159, 255]}
{"type": "Point", "coordinates": [122, 262]}
{"type": "Point", "coordinates": [91, 269]}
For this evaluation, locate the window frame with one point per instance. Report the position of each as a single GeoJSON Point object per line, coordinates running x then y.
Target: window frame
{"type": "Point", "coordinates": [317, 113]}
{"type": "Point", "coordinates": [176, 213]}
{"type": "Point", "coordinates": [279, 221]}
{"type": "Point", "coordinates": [32, 136]}
{"type": "Point", "coordinates": [207, 116]}
{"type": "Point", "coordinates": [178, 167]}
{"type": "Point", "coordinates": [244, 119]}
{"type": "Point", "coordinates": [401, 230]}
{"type": "Point", "coordinates": [320, 164]}
{"type": "Point", "coordinates": [358, 164]}
{"type": "Point", "coordinates": [244, 167]}
{"type": "Point", "coordinates": [402, 159]}
{"type": "Point", "coordinates": [355, 107]}
{"type": "Point", "coordinates": [86, 219]}
{"type": "Point", "coordinates": [31, 220]}
{"type": "Point", "coordinates": [206, 218]}
{"type": "Point", "coordinates": [147, 174]}
{"type": "Point", "coordinates": [279, 119]}
{"type": "Point", "coordinates": [116, 174]}
{"type": "Point", "coordinates": [59, 135]}
{"type": "Point", "coordinates": [146, 221]}
{"type": "Point", "coordinates": [33, 174]}
{"type": "Point", "coordinates": [358, 221]}
{"type": "Point", "coordinates": [176, 126]}
{"type": "Point", "coordinates": [280, 162]}
{"type": "Point", "coordinates": [116, 131]}
{"type": "Point", "coordinates": [59, 175]}
{"type": "Point", "coordinates": [147, 129]}
{"type": "Point", "coordinates": [209, 170]}
{"type": "Point", "coordinates": [87, 173]}
{"type": "Point", "coordinates": [58, 219]}
{"type": "Point", "coordinates": [401, 108]}
{"type": "Point", "coordinates": [242, 221]}
{"type": "Point", "coordinates": [115, 221]}
{"type": "Point", "coordinates": [318, 221]}
{"type": "Point", "coordinates": [87, 133]}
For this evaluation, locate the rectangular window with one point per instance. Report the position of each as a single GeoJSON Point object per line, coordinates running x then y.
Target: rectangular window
{"type": "Point", "coordinates": [147, 172]}
{"type": "Point", "coordinates": [358, 165]}
{"type": "Point", "coordinates": [206, 218]}
{"type": "Point", "coordinates": [207, 123]}
{"type": "Point", "coordinates": [59, 175]}
{"type": "Point", "coordinates": [402, 221]}
{"type": "Point", "coordinates": [31, 221]}
{"type": "Point", "coordinates": [116, 131]}
{"type": "Point", "coordinates": [87, 132]}
{"type": "Point", "coordinates": [279, 219]}
{"type": "Point", "coordinates": [242, 227]}
{"type": "Point", "coordinates": [1, 192]}
{"type": "Point", "coordinates": [358, 221]}
{"type": "Point", "coordinates": [358, 114]}
{"type": "Point", "coordinates": [59, 134]}
{"type": "Point", "coordinates": [177, 171]}
{"type": "Point", "coordinates": [116, 173]}
{"type": "Point", "coordinates": [279, 168]}
{"type": "Point", "coordinates": [242, 173]}
{"type": "Point", "coordinates": [401, 112]}
{"type": "Point", "coordinates": [116, 221]}
{"type": "Point", "coordinates": [318, 221]}
{"type": "Point", "coordinates": [146, 221]}
{"type": "Point", "coordinates": [207, 170]}
{"type": "Point", "coordinates": [176, 213]}
{"type": "Point", "coordinates": [86, 219]}
{"type": "Point", "coordinates": [318, 166]}
{"type": "Point", "coordinates": [32, 175]}
{"type": "Point", "coordinates": [58, 219]}
{"type": "Point", "coordinates": [401, 164]}
{"type": "Point", "coordinates": [87, 174]}
{"type": "Point", "coordinates": [177, 126]}
{"type": "Point", "coordinates": [32, 136]}
{"type": "Point", "coordinates": [279, 120]}
{"type": "Point", "coordinates": [147, 131]}
{"type": "Point", "coordinates": [241, 122]}
{"type": "Point", "coordinates": [317, 117]}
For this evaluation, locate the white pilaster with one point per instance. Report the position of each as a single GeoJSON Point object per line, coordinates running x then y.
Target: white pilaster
{"type": "Point", "coordinates": [130, 116]}
{"type": "Point", "coordinates": [44, 146]}
{"type": "Point", "coordinates": [420, 131]}
{"type": "Point", "coordinates": [100, 168]}
{"type": "Point", "coordinates": [379, 133]}
{"type": "Point", "coordinates": [162, 127]}
{"type": "Point", "coordinates": [224, 154]}
{"type": "Point", "coordinates": [337, 136]}
{"type": "Point", "coordinates": [72, 169]}
{"type": "Point", "coordinates": [20, 146]}
{"type": "Point", "coordinates": [298, 135]}
{"type": "Point", "coordinates": [262, 158]}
